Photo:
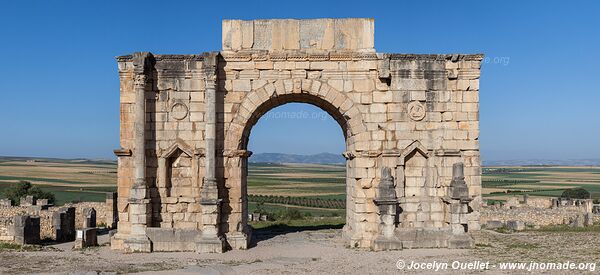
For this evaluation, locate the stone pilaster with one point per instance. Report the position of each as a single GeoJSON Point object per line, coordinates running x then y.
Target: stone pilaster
{"type": "Point", "coordinates": [387, 203]}
{"type": "Point", "coordinates": [238, 232]}
{"type": "Point", "coordinates": [139, 202]}
{"type": "Point", "coordinates": [459, 199]}
{"type": "Point", "coordinates": [211, 239]}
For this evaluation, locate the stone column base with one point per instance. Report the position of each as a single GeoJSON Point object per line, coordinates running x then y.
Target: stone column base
{"type": "Point", "coordinates": [85, 238]}
{"type": "Point", "coordinates": [352, 239]}
{"type": "Point", "coordinates": [383, 243]}
{"type": "Point", "coordinates": [131, 243]}
{"type": "Point", "coordinates": [432, 238]}
{"type": "Point", "coordinates": [238, 240]}
{"type": "Point", "coordinates": [210, 245]}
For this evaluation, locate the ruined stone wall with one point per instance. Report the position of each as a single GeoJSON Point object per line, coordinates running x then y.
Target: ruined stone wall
{"type": "Point", "coordinates": [532, 215]}
{"type": "Point", "coordinates": [46, 227]}
{"type": "Point", "coordinates": [537, 211]}
{"type": "Point", "coordinates": [539, 202]}
{"type": "Point", "coordinates": [5, 234]}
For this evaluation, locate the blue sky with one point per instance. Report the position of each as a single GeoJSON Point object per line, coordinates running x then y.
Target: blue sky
{"type": "Point", "coordinates": [539, 85]}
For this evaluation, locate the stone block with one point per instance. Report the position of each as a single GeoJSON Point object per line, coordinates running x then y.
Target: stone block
{"type": "Point", "coordinates": [86, 237]}
{"type": "Point", "coordinates": [27, 201]}
{"type": "Point", "coordinates": [293, 34]}
{"type": "Point", "coordinates": [63, 221]}
{"type": "Point", "coordinates": [26, 229]}
{"type": "Point", "coordinates": [5, 202]}
{"type": "Point", "coordinates": [515, 225]}
{"type": "Point", "coordinates": [494, 225]}
{"type": "Point", "coordinates": [242, 85]}
{"type": "Point", "coordinates": [89, 217]}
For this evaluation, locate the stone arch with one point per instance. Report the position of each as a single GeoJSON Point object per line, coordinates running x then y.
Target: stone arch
{"type": "Point", "coordinates": [255, 104]}
{"type": "Point", "coordinates": [259, 101]}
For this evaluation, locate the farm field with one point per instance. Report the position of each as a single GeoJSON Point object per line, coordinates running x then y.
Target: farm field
{"type": "Point", "coordinates": [541, 181]}
{"type": "Point", "coordinates": [69, 180]}
{"type": "Point", "coordinates": [313, 189]}
{"type": "Point", "coordinates": [310, 188]}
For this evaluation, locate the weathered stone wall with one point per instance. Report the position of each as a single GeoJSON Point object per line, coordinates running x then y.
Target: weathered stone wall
{"type": "Point", "coordinates": [531, 215]}
{"type": "Point", "coordinates": [416, 114]}
{"type": "Point", "coordinates": [5, 234]}
{"type": "Point", "coordinates": [539, 202]}
{"type": "Point", "coordinates": [46, 227]}
{"type": "Point", "coordinates": [537, 211]}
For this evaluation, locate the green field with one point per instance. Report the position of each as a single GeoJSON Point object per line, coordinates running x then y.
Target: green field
{"type": "Point", "coordinates": [69, 180]}
{"type": "Point", "coordinates": [542, 181]}
{"type": "Point", "coordinates": [315, 190]}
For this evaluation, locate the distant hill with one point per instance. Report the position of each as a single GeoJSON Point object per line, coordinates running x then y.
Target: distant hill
{"type": "Point", "coordinates": [45, 159]}
{"type": "Point", "coordinates": [322, 158]}
{"type": "Point", "coordinates": [543, 162]}
{"type": "Point", "coordinates": [326, 158]}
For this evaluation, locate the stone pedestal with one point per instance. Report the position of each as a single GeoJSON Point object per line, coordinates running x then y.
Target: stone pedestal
{"type": "Point", "coordinates": [112, 213]}
{"type": "Point", "coordinates": [239, 239]}
{"type": "Point", "coordinates": [64, 224]}
{"type": "Point", "coordinates": [85, 238]}
{"type": "Point", "coordinates": [210, 240]}
{"type": "Point", "coordinates": [387, 204]}
{"type": "Point", "coordinates": [458, 198]}
{"type": "Point", "coordinates": [26, 230]}
{"type": "Point", "coordinates": [89, 217]}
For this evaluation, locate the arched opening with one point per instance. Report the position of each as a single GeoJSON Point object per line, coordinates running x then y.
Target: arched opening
{"type": "Point", "coordinates": [297, 175]}
{"type": "Point", "coordinates": [235, 216]}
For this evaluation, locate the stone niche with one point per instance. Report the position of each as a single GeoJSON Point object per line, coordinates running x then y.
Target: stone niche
{"type": "Point", "coordinates": [411, 124]}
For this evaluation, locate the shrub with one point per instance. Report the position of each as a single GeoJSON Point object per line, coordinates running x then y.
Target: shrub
{"type": "Point", "coordinates": [25, 188]}
{"type": "Point", "coordinates": [576, 193]}
{"type": "Point", "coordinates": [290, 214]}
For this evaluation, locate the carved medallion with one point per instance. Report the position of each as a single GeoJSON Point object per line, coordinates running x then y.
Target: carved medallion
{"type": "Point", "coordinates": [416, 110]}
{"type": "Point", "coordinates": [179, 111]}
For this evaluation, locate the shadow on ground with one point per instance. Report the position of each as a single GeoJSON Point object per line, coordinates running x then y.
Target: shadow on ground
{"type": "Point", "coordinates": [271, 231]}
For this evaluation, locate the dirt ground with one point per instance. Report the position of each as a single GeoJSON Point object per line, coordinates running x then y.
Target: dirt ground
{"type": "Point", "coordinates": [320, 252]}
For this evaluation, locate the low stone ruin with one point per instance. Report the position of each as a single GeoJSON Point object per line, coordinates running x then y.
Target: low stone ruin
{"type": "Point", "coordinates": [112, 213]}
{"type": "Point", "coordinates": [517, 213]}
{"type": "Point", "coordinates": [40, 221]}
{"type": "Point", "coordinates": [26, 230]}
{"type": "Point", "coordinates": [88, 235]}
{"type": "Point", "coordinates": [89, 217]}
{"type": "Point", "coordinates": [258, 217]}
{"type": "Point", "coordinates": [64, 224]}
{"type": "Point", "coordinates": [22, 229]}
{"type": "Point", "coordinates": [5, 202]}
{"type": "Point", "coordinates": [27, 201]}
